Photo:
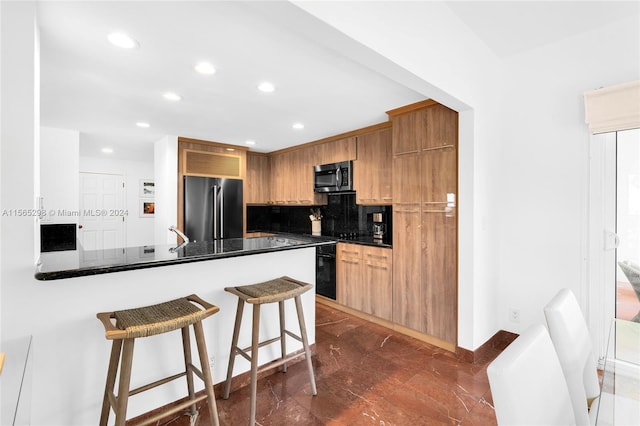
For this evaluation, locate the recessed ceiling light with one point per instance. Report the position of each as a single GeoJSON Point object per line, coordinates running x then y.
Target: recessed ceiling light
{"type": "Point", "coordinates": [298, 126]}
{"type": "Point", "coordinates": [205, 68]}
{"type": "Point", "coordinates": [266, 87]}
{"type": "Point", "coordinates": [250, 143]}
{"type": "Point", "coordinates": [143, 124]}
{"type": "Point", "coordinates": [107, 150]}
{"type": "Point", "coordinates": [230, 149]}
{"type": "Point", "coordinates": [170, 96]}
{"type": "Point", "coordinates": [122, 40]}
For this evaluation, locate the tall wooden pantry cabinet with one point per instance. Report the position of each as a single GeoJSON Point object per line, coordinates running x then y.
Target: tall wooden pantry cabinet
{"type": "Point", "coordinates": [425, 146]}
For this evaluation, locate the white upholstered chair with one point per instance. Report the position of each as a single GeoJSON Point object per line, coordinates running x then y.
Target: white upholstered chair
{"type": "Point", "coordinates": [570, 336]}
{"type": "Point", "coordinates": [527, 383]}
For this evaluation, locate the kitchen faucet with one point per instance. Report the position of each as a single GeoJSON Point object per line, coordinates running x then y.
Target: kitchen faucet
{"type": "Point", "coordinates": [185, 239]}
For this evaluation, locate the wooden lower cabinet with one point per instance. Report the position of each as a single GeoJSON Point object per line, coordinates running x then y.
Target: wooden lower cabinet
{"type": "Point", "coordinates": [407, 281]}
{"type": "Point", "coordinates": [349, 290]}
{"type": "Point", "coordinates": [439, 273]}
{"type": "Point", "coordinates": [378, 281]}
{"type": "Point", "coordinates": [364, 279]}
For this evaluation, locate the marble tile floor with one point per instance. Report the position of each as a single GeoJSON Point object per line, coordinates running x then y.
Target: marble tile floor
{"type": "Point", "coordinates": [366, 375]}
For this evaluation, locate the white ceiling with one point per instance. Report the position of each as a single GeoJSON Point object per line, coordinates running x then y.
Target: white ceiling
{"type": "Point", "coordinates": [89, 85]}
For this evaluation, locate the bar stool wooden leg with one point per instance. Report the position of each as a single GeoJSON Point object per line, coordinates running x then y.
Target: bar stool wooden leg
{"type": "Point", "coordinates": [255, 344]}
{"type": "Point", "coordinates": [305, 344]}
{"type": "Point", "coordinates": [125, 379]}
{"type": "Point", "coordinates": [206, 372]}
{"type": "Point", "coordinates": [114, 360]}
{"type": "Point", "coordinates": [188, 366]}
{"type": "Point", "coordinates": [283, 339]}
{"type": "Point", "coordinates": [234, 348]}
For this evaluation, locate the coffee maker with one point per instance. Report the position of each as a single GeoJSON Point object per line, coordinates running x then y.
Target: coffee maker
{"type": "Point", "coordinates": [378, 227]}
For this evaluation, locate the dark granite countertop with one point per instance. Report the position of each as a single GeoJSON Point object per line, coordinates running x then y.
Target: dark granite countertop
{"type": "Point", "coordinates": [366, 240]}
{"type": "Point", "coordinates": [76, 263]}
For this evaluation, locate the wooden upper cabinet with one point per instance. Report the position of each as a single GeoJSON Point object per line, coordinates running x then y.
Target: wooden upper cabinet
{"type": "Point", "coordinates": [339, 150]}
{"type": "Point", "coordinates": [441, 129]}
{"type": "Point", "coordinates": [258, 182]}
{"type": "Point", "coordinates": [278, 179]}
{"type": "Point", "coordinates": [409, 132]}
{"type": "Point", "coordinates": [372, 176]}
{"type": "Point", "coordinates": [423, 126]}
{"type": "Point", "coordinates": [292, 178]}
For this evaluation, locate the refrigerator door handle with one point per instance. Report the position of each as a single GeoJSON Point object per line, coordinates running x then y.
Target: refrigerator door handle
{"type": "Point", "coordinates": [215, 211]}
{"type": "Point", "coordinates": [221, 211]}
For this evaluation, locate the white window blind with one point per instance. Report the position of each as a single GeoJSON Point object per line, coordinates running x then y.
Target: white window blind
{"type": "Point", "coordinates": [613, 108]}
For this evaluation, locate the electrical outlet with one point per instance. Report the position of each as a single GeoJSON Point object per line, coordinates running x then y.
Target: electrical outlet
{"type": "Point", "coordinates": [514, 315]}
{"type": "Point", "coordinates": [212, 360]}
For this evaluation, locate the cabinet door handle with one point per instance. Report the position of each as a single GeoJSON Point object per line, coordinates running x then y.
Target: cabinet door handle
{"type": "Point", "coordinates": [377, 267]}
{"type": "Point", "coordinates": [353, 262]}
{"type": "Point", "coordinates": [377, 256]}
{"type": "Point", "coordinates": [445, 210]}
{"type": "Point", "coordinates": [434, 148]}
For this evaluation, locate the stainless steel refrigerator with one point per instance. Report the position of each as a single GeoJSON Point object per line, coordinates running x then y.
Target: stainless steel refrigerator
{"type": "Point", "coordinates": [212, 208]}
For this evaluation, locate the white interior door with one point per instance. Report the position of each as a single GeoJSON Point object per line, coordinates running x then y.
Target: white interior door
{"type": "Point", "coordinates": [101, 196]}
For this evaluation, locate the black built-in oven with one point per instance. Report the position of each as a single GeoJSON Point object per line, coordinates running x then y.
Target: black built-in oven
{"type": "Point", "coordinates": [326, 271]}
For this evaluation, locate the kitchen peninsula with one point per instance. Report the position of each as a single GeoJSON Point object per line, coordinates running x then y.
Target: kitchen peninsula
{"type": "Point", "coordinates": [86, 282]}
{"type": "Point", "coordinates": [75, 263]}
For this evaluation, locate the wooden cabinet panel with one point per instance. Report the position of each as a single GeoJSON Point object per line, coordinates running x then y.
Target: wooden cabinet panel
{"type": "Point", "coordinates": [407, 185]}
{"type": "Point", "coordinates": [409, 132]}
{"type": "Point", "coordinates": [198, 163]}
{"type": "Point", "coordinates": [439, 274]}
{"type": "Point", "coordinates": [258, 181]}
{"type": "Point", "coordinates": [407, 259]}
{"type": "Point", "coordinates": [441, 129]}
{"type": "Point", "coordinates": [439, 174]}
{"type": "Point", "coordinates": [349, 291]}
{"type": "Point", "coordinates": [335, 151]}
{"type": "Point", "coordinates": [373, 168]}
{"type": "Point", "coordinates": [292, 178]}
{"type": "Point", "coordinates": [305, 162]}
{"type": "Point", "coordinates": [378, 280]}
{"type": "Point", "coordinates": [278, 168]}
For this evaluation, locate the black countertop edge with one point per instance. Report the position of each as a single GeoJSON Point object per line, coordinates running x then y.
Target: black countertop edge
{"type": "Point", "coordinates": [366, 240]}
{"type": "Point", "coordinates": [97, 270]}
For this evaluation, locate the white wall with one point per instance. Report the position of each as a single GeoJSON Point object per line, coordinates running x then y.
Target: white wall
{"type": "Point", "coordinates": [59, 179]}
{"type": "Point", "coordinates": [544, 159]}
{"type": "Point", "coordinates": [139, 231]}
{"type": "Point", "coordinates": [19, 119]}
{"type": "Point", "coordinates": [166, 170]}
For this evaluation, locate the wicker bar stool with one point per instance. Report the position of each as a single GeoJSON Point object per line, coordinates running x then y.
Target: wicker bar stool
{"type": "Point", "coordinates": [148, 321]}
{"type": "Point", "coordinates": [277, 290]}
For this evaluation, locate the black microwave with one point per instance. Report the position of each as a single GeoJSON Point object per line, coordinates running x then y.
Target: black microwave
{"type": "Point", "coordinates": [334, 177]}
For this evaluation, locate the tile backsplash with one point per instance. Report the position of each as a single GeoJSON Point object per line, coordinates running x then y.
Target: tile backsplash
{"type": "Point", "coordinates": [341, 215]}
